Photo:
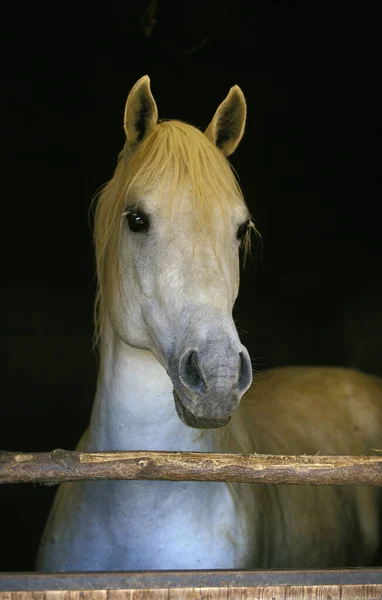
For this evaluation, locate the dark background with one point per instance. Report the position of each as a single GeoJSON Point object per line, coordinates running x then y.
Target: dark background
{"type": "Point", "coordinates": [308, 165]}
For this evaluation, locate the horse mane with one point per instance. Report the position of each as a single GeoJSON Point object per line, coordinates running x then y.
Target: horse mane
{"type": "Point", "coordinates": [173, 154]}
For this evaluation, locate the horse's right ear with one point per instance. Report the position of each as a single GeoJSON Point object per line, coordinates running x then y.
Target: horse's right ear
{"type": "Point", "coordinates": [141, 113]}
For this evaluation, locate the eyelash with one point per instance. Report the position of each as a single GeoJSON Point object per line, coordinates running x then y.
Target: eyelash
{"type": "Point", "coordinates": [137, 220]}
{"type": "Point", "coordinates": [243, 229]}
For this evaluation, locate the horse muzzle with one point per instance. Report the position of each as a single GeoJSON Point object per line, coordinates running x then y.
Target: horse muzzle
{"type": "Point", "coordinates": [208, 389]}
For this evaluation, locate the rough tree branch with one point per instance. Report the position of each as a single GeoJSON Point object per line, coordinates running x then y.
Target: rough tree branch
{"type": "Point", "coordinates": [62, 465]}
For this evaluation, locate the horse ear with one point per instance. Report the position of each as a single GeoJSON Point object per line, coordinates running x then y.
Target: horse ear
{"type": "Point", "coordinates": [227, 126]}
{"type": "Point", "coordinates": [141, 113]}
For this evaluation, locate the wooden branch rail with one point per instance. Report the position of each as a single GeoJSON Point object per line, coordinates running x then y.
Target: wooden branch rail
{"type": "Point", "coordinates": [60, 466]}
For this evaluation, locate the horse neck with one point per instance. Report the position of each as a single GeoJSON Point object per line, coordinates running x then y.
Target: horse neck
{"type": "Point", "coordinates": [134, 407]}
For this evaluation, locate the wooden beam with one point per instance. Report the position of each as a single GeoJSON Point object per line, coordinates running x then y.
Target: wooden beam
{"type": "Point", "coordinates": [344, 584]}
{"type": "Point", "coordinates": [60, 466]}
{"type": "Point", "coordinates": [308, 592]}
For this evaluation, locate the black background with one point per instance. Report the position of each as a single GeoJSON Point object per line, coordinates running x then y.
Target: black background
{"type": "Point", "coordinates": [308, 165]}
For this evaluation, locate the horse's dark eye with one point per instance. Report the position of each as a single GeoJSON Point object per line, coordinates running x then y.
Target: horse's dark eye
{"type": "Point", "coordinates": [137, 221]}
{"type": "Point", "coordinates": [242, 230]}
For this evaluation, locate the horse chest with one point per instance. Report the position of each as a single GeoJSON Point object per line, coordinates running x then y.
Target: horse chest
{"type": "Point", "coordinates": [154, 525]}
{"type": "Point", "coordinates": [162, 525]}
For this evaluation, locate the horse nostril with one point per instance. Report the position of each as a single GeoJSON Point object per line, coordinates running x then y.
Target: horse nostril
{"type": "Point", "coordinates": [245, 375]}
{"type": "Point", "coordinates": [190, 372]}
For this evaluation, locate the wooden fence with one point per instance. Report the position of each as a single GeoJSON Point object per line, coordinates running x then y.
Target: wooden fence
{"type": "Point", "coordinates": [61, 466]}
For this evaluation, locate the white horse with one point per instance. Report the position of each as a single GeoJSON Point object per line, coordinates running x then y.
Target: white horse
{"type": "Point", "coordinates": [167, 231]}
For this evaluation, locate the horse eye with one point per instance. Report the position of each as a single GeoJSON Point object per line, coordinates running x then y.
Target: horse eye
{"type": "Point", "coordinates": [242, 230]}
{"type": "Point", "coordinates": [137, 221]}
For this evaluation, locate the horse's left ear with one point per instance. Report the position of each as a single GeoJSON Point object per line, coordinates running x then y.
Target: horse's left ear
{"type": "Point", "coordinates": [227, 126]}
{"type": "Point", "coordinates": [141, 113]}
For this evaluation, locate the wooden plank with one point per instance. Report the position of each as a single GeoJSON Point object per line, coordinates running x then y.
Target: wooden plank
{"type": "Point", "coordinates": [62, 465]}
{"type": "Point", "coordinates": [130, 580]}
{"type": "Point", "coordinates": [361, 592]}
{"type": "Point", "coordinates": [332, 592]}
